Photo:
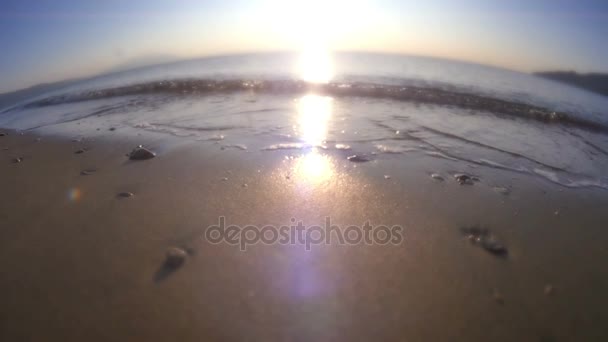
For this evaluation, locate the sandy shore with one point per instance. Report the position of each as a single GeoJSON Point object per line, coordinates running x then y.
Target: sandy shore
{"type": "Point", "coordinates": [80, 263]}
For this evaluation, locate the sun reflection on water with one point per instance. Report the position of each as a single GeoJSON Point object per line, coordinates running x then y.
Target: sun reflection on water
{"type": "Point", "coordinates": [314, 113]}
{"type": "Point", "coordinates": [311, 127]}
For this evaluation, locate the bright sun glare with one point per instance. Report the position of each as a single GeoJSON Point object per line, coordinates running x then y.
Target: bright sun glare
{"type": "Point", "coordinates": [314, 168]}
{"type": "Point", "coordinates": [312, 26]}
{"type": "Point", "coordinates": [315, 65]}
{"type": "Point", "coordinates": [314, 113]}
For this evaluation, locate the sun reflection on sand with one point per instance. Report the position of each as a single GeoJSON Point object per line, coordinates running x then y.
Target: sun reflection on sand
{"type": "Point", "coordinates": [313, 168]}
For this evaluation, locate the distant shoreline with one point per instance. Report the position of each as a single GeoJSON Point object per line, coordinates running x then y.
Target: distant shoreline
{"type": "Point", "coordinates": [595, 82]}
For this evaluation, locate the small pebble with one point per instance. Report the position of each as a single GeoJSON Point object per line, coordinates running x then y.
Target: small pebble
{"type": "Point", "coordinates": [437, 177]}
{"type": "Point", "coordinates": [82, 150]}
{"type": "Point", "coordinates": [112, 129]}
{"type": "Point", "coordinates": [17, 160]}
{"type": "Point", "coordinates": [463, 179]}
{"type": "Point", "coordinates": [141, 153]}
{"type": "Point", "coordinates": [358, 158]}
{"type": "Point", "coordinates": [3, 134]}
{"type": "Point", "coordinates": [175, 257]}
{"type": "Point", "coordinates": [125, 194]}
{"type": "Point", "coordinates": [387, 177]}
{"type": "Point", "coordinates": [224, 179]}
{"type": "Point", "coordinates": [556, 212]}
{"type": "Point", "coordinates": [87, 172]}
{"type": "Point", "coordinates": [549, 290]}
{"type": "Point", "coordinates": [245, 185]}
{"type": "Point", "coordinates": [483, 238]}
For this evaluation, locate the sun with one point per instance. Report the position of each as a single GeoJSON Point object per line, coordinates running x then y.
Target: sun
{"type": "Point", "coordinates": [315, 65]}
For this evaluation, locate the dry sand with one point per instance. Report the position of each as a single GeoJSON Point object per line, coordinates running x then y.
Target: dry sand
{"type": "Point", "coordinates": [80, 263]}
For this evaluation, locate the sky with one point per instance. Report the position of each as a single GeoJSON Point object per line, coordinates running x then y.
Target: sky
{"type": "Point", "coordinates": [51, 40]}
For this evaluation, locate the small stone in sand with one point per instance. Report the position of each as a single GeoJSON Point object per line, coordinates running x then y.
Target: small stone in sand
{"type": "Point", "coordinates": [3, 134]}
{"type": "Point", "coordinates": [175, 257]}
{"type": "Point", "coordinates": [437, 177]}
{"type": "Point", "coordinates": [245, 185]}
{"type": "Point", "coordinates": [463, 179]}
{"type": "Point", "coordinates": [125, 194]}
{"type": "Point", "coordinates": [358, 158]}
{"type": "Point", "coordinates": [224, 179]}
{"type": "Point", "coordinates": [387, 177]}
{"type": "Point", "coordinates": [17, 160]}
{"type": "Point", "coordinates": [112, 129]}
{"type": "Point", "coordinates": [87, 172]}
{"type": "Point", "coordinates": [82, 150]}
{"type": "Point", "coordinates": [549, 290]}
{"type": "Point", "coordinates": [141, 153]}
{"type": "Point", "coordinates": [486, 240]}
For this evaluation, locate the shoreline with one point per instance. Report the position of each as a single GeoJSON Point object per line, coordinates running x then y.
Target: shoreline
{"type": "Point", "coordinates": [82, 265]}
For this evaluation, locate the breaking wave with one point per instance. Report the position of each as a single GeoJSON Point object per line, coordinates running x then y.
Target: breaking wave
{"type": "Point", "coordinates": [425, 95]}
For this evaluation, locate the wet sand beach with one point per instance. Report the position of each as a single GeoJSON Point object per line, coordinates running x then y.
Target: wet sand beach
{"type": "Point", "coordinates": [80, 262]}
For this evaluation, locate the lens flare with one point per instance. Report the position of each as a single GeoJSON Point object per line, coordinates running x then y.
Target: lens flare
{"type": "Point", "coordinates": [74, 194]}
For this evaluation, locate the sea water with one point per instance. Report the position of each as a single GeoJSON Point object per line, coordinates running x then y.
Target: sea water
{"type": "Point", "coordinates": [341, 103]}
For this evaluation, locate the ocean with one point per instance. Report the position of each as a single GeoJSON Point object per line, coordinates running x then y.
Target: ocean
{"type": "Point", "coordinates": [374, 105]}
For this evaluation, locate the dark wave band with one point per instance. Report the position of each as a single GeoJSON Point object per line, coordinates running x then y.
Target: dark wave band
{"type": "Point", "coordinates": [369, 90]}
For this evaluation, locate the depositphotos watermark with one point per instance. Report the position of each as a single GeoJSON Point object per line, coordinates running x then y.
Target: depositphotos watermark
{"type": "Point", "coordinates": [299, 234]}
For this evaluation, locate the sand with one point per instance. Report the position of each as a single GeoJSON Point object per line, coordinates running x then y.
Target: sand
{"type": "Point", "coordinates": [81, 263]}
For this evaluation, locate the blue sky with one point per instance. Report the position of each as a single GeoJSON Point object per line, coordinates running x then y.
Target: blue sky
{"type": "Point", "coordinates": [50, 40]}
